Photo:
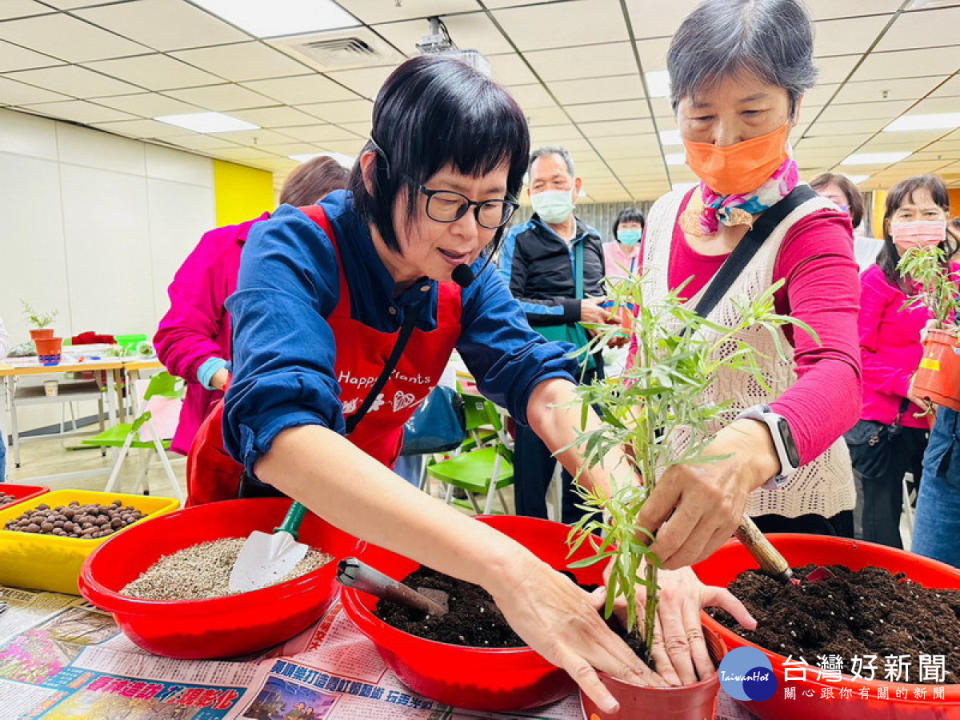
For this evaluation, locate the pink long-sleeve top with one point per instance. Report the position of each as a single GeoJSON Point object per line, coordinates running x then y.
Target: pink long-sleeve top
{"type": "Point", "coordinates": [821, 289]}
{"type": "Point", "coordinates": [197, 326]}
{"type": "Point", "coordinates": [890, 348]}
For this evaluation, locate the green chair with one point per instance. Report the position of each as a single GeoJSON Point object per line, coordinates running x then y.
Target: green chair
{"type": "Point", "coordinates": [484, 463]}
{"type": "Point", "coordinates": [150, 394]}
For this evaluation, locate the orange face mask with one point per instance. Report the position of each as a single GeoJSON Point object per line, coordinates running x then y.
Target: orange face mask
{"type": "Point", "coordinates": [739, 168]}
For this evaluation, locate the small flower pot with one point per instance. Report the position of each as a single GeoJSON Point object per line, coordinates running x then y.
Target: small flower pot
{"type": "Point", "coordinates": [938, 376]}
{"type": "Point", "coordinates": [690, 702]}
{"type": "Point", "coordinates": [41, 334]}
{"type": "Point", "coordinates": [51, 388]}
{"type": "Point", "coordinates": [48, 350]}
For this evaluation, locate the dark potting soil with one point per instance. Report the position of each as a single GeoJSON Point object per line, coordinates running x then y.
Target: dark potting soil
{"type": "Point", "coordinates": [473, 619]}
{"type": "Point", "coordinates": [868, 612]}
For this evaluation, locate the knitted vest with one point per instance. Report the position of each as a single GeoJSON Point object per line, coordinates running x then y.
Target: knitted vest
{"type": "Point", "coordinates": [823, 486]}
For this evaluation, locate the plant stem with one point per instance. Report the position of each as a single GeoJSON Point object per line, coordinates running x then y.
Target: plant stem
{"type": "Point", "coordinates": [650, 617]}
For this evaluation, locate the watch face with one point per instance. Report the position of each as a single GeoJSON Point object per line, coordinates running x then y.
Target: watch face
{"type": "Point", "coordinates": [788, 444]}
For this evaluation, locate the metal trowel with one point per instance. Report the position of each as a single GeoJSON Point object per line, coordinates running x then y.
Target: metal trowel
{"type": "Point", "coordinates": [266, 559]}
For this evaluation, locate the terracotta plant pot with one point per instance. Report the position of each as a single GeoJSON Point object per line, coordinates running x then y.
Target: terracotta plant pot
{"type": "Point", "coordinates": [48, 350]}
{"type": "Point", "coordinates": [938, 376]}
{"type": "Point", "coordinates": [690, 702]}
{"type": "Point", "coordinates": [41, 334]}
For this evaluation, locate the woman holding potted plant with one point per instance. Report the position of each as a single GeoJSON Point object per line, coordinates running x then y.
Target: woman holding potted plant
{"type": "Point", "coordinates": [891, 436]}
{"type": "Point", "coordinates": [351, 309]}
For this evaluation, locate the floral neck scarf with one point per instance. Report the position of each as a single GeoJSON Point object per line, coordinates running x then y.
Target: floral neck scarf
{"type": "Point", "coordinates": [706, 209]}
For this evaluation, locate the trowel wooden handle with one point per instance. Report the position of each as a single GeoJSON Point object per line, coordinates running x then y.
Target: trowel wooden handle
{"type": "Point", "coordinates": [771, 561]}
{"type": "Point", "coordinates": [354, 574]}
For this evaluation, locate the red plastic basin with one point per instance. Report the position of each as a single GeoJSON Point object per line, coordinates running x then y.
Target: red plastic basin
{"type": "Point", "coordinates": [219, 627]}
{"type": "Point", "coordinates": [21, 493]}
{"type": "Point", "coordinates": [732, 559]}
{"type": "Point", "coordinates": [492, 679]}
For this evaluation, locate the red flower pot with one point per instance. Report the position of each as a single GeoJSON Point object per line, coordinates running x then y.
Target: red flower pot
{"type": "Point", "coordinates": [48, 350]}
{"type": "Point", "coordinates": [938, 376]}
{"type": "Point", "coordinates": [493, 679]}
{"type": "Point", "coordinates": [722, 568]}
{"type": "Point", "coordinates": [690, 702]}
{"type": "Point", "coordinates": [41, 334]}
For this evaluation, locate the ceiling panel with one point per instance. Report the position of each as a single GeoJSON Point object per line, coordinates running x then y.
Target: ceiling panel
{"type": "Point", "coordinates": [378, 12]}
{"type": "Point", "coordinates": [950, 88]}
{"type": "Point", "coordinates": [148, 104]}
{"type": "Point", "coordinates": [875, 90]}
{"type": "Point", "coordinates": [826, 9]}
{"type": "Point", "coordinates": [908, 63]}
{"type": "Point", "coordinates": [13, 57]}
{"type": "Point", "coordinates": [835, 69]}
{"type": "Point", "coordinates": [259, 137]}
{"type": "Point", "coordinates": [653, 53]}
{"type": "Point", "coordinates": [79, 111]}
{"type": "Point", "coordinates": [142, 129]}
{"type": "Point", "coordinates": [549, 134]}
{"type": "Point", "coordinates": [924, 28]}
{"type": "Point", "coordinates": [163, 24]}
{"type": "Point", "coordinates": [275, 117]}
{"type": "Point", "coordinates": [21, 8]}
{"type": "Point", "coordinates": [583, 62]}
{"type": "Point", "coordinates": [907, 140]}
{"type": "Point", "coordinates": [18, 93]}
{"type": "Point", "coordinates": [618, 110]}
{"type": "Point", "coordinates": [843, 37]}
{"type": "Point", "coordinates": [363, 82]}
{"type": "Point", "coordinates": [198, 141]}
{"type": "Point", "coordinates": [845, 127]}
{"type": "Point", "coordinates": [301, 90]}
{"type": "Point", "coordinates": [67, 38]}
{"type": "Point", "coordinates": [242, 61]}
{"type": "Point", "coordinates": [606, 89]}
{"type": "Point", "coordinates": [346, 111]}
{"type": "Point", "coordinates": [472, 30]}
{"type": "Point", "coordinates": [570, 24]}
{"type": "Point", "coordinates": [865, 111]}
{"type": "Point", "coordinates": [222, 98]}
{"type": "Point", "coordinates": [655, 22]}
{"type": "Point", "coordinates": [74, 80]}
{"type": "Point", "coordinates": [531, 95]}
{"type": "Point", "coordinates": [617, 127]}
{"type": "Point", "coordinates": [936, 105]}
{"type": "Point", "coordinates": [154, 72]}
{"type": "Point", "coordinates": [510, 70]}
{"type": "Point", "coordinates": [545, 116]}
{"type": "Point", "coordinates": [319, 132]}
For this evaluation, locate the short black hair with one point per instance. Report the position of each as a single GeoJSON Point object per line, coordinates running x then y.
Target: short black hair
{"type": "Point", "coordinates": [431, 112]}
{"type": "Point", "coordinates": [629, 215]}
{"type": "Point", "coordinates": [903, 191]}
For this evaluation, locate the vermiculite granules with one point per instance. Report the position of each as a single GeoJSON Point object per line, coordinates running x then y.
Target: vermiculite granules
{"type": "Point", "coordinates": [202, 571]}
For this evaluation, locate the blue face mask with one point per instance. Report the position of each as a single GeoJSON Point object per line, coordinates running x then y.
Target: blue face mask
{"type": "Point", "coordinates": [629, 237]}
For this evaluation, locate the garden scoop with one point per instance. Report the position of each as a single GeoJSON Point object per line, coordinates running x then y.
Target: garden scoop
{"type": "Point", "coordinates": [266, 559]}
{"type": "Point", "coordinates": [357, 575]}
{"type": "Point", "coordinates": [771, 561]}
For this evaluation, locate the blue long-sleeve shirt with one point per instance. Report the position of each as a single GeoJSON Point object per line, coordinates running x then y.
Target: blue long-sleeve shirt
{"type": "Point", "coordinates": [284, 349]}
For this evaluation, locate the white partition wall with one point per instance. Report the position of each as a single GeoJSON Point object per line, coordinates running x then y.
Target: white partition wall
{"type": "Point", "coordinates": [94, 225]}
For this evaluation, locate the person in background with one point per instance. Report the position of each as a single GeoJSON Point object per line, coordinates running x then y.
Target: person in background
{"type": "Point", "coordinates": [845, 195]}
{"type": "Point", "coordinates": [193, 339]}
{"type": "Point", "coordinates": [891, 436]}
{"type": "Point", "coordinates": [622, 254]}
{"type": "Point", "coordinates": [540, 262]}
{"type": "Point", "coordinates": [4, 348]}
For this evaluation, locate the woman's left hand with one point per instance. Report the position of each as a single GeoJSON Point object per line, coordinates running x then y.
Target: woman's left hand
{"type": "Point", "coordinates": [679, 650]}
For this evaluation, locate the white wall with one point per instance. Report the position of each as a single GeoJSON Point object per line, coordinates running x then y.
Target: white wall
{"type": "Point", "coordinates": [93, 225]}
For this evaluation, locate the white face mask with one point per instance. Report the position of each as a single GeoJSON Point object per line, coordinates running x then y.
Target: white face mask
{"type": "Point", "coordinates": [553, 206]}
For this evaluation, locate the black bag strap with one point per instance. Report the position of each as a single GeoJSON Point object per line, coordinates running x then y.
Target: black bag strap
{"type": "Point", "coordinates": [904, 404]}
{"type": "Point", "coordinates": [405, 331]}
{"type": "Point", "coordinates": [749, 245]}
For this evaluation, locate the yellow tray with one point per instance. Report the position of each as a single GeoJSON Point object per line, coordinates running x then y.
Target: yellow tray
{"type": "Point", "coordinates": [51, 562]}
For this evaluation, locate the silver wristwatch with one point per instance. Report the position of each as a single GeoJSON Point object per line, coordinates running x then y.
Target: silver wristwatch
{"type": "Point", "coordinates": [782, 441]}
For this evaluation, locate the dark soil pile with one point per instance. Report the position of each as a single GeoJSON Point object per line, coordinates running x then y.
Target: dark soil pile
{"type": "Point", "coordinates": [473, 620]}
{"type": "Point", "coordinates": [868, 612]}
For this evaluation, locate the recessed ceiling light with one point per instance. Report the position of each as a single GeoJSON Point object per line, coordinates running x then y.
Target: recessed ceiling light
{"type": "Point", "coordinates": [670, 137]}
{"type": "Point", "coordinates": [280, 17]}
{"type": "Point", "coordinates": [658, 83]}
{"type": "Point", "coordinates": [938, 121]}
{"type": "Point", "coordinates": [684, 186]}
{"type": "Point", "coordinates": [676, 158]}
{"type": "Point", "coordinates": [207, 122]}
{"type": "Point", "coordinates": [878, 158]}
{"type": "Point", "coordinates": [345, 160]}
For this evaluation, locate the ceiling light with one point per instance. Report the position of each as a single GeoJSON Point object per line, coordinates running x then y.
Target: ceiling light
{"type": "Point", "coordinates": [877, 158]}
{"type": "Point", "coordinates": [344, 160]}
{"type": "Point", "coordinates": [938, 121]}
{"type": "Point", "coordinates": [670, 137]}
{"type": "Point", "coordinates": [857, 179]}
{"type": "Point", "coordinates": [207, 122]}
{"type": "Point", "coordinates": [684, 186]}
{"type": "Point", "coordinates": [280, 17]}
{"type": "Point", "coordinates": [676, 158]}
{"type": "Point", "coordinates": [658, 83]}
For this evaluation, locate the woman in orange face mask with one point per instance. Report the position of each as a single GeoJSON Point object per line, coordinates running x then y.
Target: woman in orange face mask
{"type": "Point", "coordinates": [738, 71]}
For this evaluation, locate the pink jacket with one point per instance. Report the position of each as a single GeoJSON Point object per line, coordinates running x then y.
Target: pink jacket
{"type": "Point", "coordinates": [197, 326]}
{"type": "Point", "coordinates": [890, 348]}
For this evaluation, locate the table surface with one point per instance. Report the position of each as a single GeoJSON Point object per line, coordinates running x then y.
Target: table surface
{"type": "Point", "coordinates": [19, 367]}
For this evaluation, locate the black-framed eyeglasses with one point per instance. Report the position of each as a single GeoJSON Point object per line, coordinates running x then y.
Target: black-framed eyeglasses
{"type": "Point", "coordinates": [447, 206]}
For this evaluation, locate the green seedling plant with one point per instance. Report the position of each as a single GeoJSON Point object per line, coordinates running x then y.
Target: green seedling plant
{"type": "Point", "coordinates": [657, 411]}
{"type": "Point", "coordinates": [934, 283]}
{"type": "Point", "coordinates": [37, 318]}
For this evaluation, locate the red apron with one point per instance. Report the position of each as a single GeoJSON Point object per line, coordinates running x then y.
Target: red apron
{"type": "Point", "coordinates": [362, 353]}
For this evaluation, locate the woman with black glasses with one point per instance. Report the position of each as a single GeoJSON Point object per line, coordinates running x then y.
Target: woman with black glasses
{"type": "Point", "coordinates": [328, 293]}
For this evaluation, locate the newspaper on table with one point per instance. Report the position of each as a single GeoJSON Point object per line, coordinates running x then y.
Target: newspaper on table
{"type": "Point", "coordinates": [62, 659]}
